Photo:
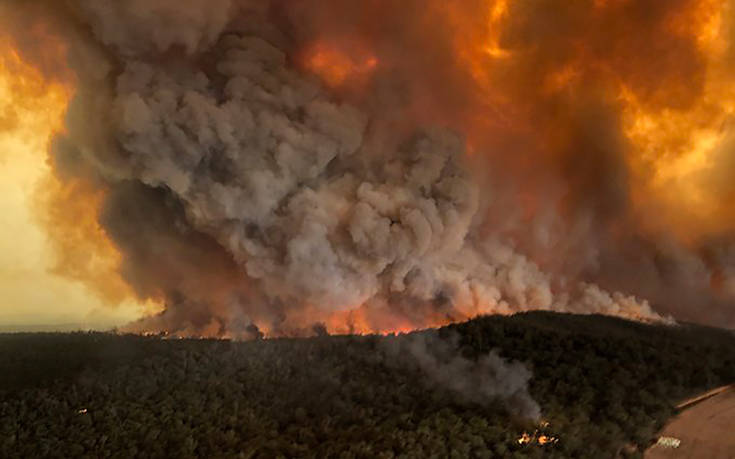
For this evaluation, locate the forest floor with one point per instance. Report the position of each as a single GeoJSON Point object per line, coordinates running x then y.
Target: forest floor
{"type": "Point", "coordinates": [704, 429]}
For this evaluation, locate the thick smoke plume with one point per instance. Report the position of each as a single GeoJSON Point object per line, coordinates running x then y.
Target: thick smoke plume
{"type": "Point", "coordinates": [371, 166]}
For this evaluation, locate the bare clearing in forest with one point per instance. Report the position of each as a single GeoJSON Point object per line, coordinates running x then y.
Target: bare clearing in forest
{"type": "Point", "coordinates": [705, 430]}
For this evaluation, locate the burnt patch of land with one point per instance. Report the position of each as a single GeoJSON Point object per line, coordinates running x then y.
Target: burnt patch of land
{"type": "Point", "coordinates": [602, 383]}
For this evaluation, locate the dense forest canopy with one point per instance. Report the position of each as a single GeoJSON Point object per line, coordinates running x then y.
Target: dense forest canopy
{"type": "Point", "coordinates": [601, 384]}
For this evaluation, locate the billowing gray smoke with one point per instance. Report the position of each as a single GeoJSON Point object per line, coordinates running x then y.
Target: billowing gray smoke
{"type": "Point", "coordinates": [251, 198]}
{"type": "Point", "coordinates": [482, 381]}
{"type": "Point", "coordinates": [248, 196]}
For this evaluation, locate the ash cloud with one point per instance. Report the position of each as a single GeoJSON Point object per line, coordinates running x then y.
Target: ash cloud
{"type": "Point", "coordinates": [249, 197]}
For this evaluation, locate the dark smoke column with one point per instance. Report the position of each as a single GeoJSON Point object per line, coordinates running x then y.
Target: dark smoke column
{"type": "Point", "coordinates": [250, 198]}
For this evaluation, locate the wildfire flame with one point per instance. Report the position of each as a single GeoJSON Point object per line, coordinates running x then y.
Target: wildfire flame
{"type": "Point", "coordinates": [537, 437]}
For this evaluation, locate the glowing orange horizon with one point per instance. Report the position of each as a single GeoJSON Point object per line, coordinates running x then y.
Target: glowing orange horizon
{"type": "Point", "coordinates": [74, 248]}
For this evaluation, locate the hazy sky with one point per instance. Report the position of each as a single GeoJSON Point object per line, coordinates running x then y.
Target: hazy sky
{"type": "Point", "coordinates": [29, 293]}
{"type": "Point", "coordinates": [477, 158]}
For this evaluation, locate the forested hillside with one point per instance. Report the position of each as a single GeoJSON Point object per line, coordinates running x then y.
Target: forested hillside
{"type": "Point", "coordinates": [601, 384]}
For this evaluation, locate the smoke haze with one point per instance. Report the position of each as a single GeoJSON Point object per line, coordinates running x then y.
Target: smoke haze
{"type": "Point", "coordinates": [482, 381]}
{"type": "Point", "coordinates": [375, 166]}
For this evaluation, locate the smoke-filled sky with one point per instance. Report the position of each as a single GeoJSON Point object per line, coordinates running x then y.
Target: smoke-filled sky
{"type": "Point", "coordinates": [31, 291]}
{"type": "Point", "coordinates": [237, 167]}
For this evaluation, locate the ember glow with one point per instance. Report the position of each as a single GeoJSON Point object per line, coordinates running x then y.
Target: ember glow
{"type": "Point", "coordinates": [338, 67]}
{"type": "Point", "coordinates": [286, 168]}
{"type": "Point", "coordinates": [539, 437]}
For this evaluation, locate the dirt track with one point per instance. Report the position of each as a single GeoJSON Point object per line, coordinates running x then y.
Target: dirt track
{"type": "Point", "coordinates": [706, 430]}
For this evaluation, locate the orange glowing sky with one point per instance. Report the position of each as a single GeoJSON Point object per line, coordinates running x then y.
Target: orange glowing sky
{"type": "Point", "coordinates": [673, 152]}
{"type": "Point", "coordinates": [31, 110]}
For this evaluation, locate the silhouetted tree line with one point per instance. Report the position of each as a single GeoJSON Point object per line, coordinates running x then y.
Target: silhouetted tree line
{"type": "Point", "coordinates": [601, 382]}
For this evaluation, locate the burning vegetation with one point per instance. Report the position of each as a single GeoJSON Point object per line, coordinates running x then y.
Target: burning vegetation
{"type": "Point", "coordinates": [540, 436]}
